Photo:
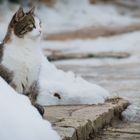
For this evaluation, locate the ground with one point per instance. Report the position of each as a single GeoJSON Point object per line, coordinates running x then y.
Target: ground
{"type": "Point", "coordinates": [106, 54]}
{"type": "Point", "coordinates": [121, 131]}
{"type": "Point", "coordinates": [122, 80]}
{"type": "Point", "coordinates": [83, 122]}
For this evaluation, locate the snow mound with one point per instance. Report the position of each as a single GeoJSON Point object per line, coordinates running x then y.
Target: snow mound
{"type": "Point", "coordinates": [132, 113]}
{"type": "Point", "coordinates": [72, 89]}
{"type": "Point", "coordinates": [19, 120]}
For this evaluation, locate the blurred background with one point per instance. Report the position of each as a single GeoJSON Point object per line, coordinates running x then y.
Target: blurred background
{"type": "Point", "coordinates": [97, 39]}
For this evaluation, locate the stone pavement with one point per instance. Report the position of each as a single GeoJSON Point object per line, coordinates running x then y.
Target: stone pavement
{"type": "Point", "coordinates": [121, 131]}
{"type": "Point", "coordinates": [82, 122]}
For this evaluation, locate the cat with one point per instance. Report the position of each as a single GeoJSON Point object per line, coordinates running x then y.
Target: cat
{"type": "Point", "coordinates": [20, 55]}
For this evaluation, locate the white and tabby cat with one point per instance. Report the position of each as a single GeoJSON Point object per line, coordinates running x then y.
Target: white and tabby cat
{"type": "Point", "coordinates": [20, 55]}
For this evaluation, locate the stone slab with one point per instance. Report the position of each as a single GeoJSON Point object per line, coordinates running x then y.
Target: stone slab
{"type": "Point", "coordinates": [78, 122]}
{"type": "Point", "coordinates": [93, 32]}
{"type": "Point", "coordinates": [121, 131]}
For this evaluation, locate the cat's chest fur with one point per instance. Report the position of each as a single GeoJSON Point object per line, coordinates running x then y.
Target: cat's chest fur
{"type": "Point", "coordinates": [23, 58]}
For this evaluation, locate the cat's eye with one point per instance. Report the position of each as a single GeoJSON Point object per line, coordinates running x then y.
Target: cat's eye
{"type": "Point", "coordinates": [31, 25]}
{"type": "Point", "coordinates": [30, 28]}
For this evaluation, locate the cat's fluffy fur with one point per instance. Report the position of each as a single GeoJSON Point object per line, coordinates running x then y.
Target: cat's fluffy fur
{"type": "Point", "coordinates": [21, 56]}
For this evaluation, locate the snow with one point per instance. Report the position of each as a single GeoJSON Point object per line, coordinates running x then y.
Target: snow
{"type": "Point", "coordinates": [22, 121]}
{"type": "Point", "coordinates": [5, 16]}
{"type": "Point", "coordinates": [129, 43]}
{"type": "Point", "coordinates": [72, 89]}
{"type": "Point", "coordinates": [122, 43]}
{"type": "Point", "coordinates": [69, 16]}
{"type": "Point", "coordinates": [132, 113]}
{"type": "Point", "coordinates": [19, 120]}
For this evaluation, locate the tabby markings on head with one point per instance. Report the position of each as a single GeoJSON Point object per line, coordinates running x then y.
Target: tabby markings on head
{"type": "Point", "coordinates": [22, 24]}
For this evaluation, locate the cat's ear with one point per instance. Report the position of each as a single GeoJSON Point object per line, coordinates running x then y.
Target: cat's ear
{"type": "Point", "coordinates": [19, 14]}
{"type": "Point", "coordinates": [32, 10]}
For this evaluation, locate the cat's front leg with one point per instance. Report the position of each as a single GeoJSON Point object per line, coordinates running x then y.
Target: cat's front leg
{"type": "Point", "coordinates": [13, 85]}
{"type": "Point", "coordinates": [40, 109]}
{"type": "Point", "coordinates": [6, 74]}
{"type": "Point", "coordinates": [32, 94]}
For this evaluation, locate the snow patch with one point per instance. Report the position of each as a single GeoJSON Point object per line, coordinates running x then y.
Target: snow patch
{"type": "Point", "coordinates": [132, 113]}
{"type": "Point", "coordinates": [72, 89]}
{"type": "Point", "coordinates": [19, 120]}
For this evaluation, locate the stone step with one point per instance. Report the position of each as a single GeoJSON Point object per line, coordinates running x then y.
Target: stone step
{"type": "Point", "coordinates": [79, 122]}
{"type": "Point", "coordinates": [121, 131]}
{"type": "Point", "coordinates": [53, 55]}
{"type": "Point", "coordinates": [93, 32]}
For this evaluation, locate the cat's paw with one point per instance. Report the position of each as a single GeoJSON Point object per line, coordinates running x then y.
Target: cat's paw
{"type": "Point", "coordinates": [40, 109]}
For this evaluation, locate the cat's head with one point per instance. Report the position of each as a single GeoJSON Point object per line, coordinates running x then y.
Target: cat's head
{"type": "Point", "coordinates": [26, 25]}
